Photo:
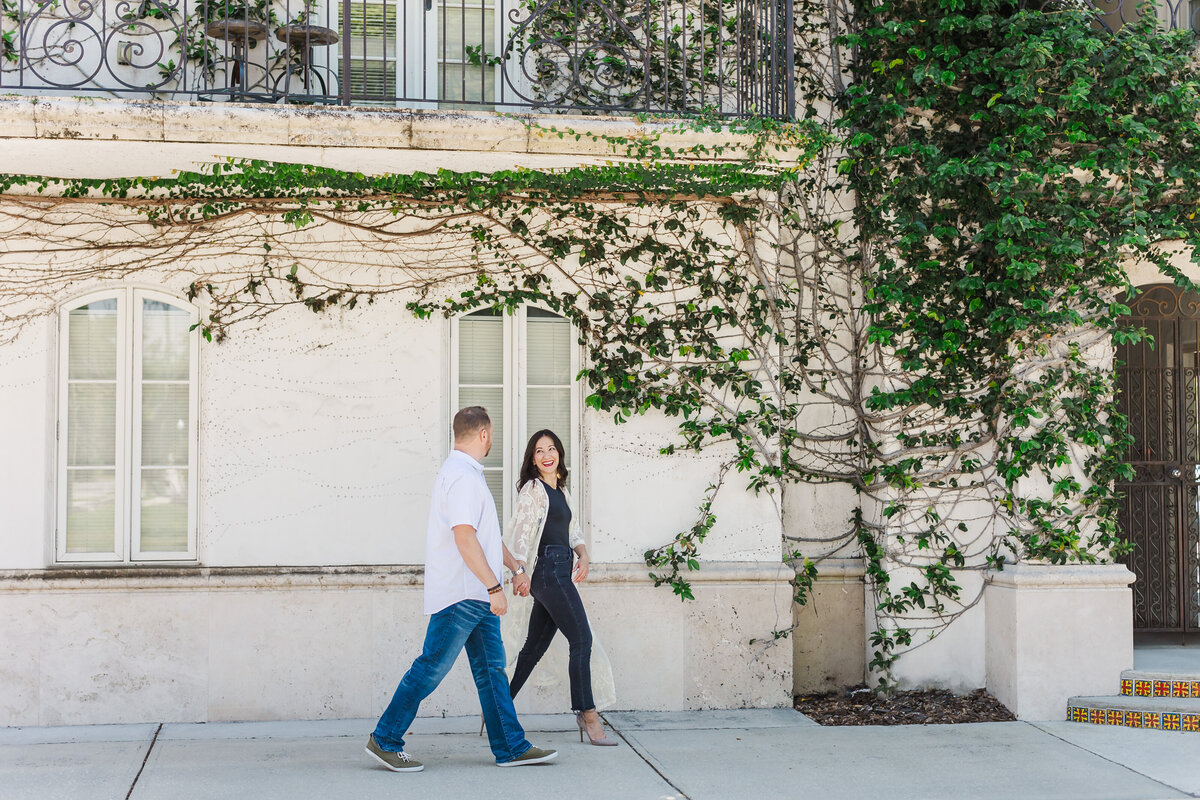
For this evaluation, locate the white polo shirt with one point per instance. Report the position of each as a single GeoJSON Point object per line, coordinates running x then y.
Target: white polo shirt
{"type": "Point", "coordinates": [460, 497]}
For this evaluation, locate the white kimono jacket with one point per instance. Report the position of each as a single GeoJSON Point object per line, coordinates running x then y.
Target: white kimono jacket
{"type": "Point", "coordinates": [522, 535]}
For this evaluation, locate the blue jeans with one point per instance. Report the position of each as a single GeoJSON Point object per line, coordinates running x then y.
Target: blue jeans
{"type": "Point", "coordinates": [557, 607]}
{"type": "Point", "coordinates": [470, 624]}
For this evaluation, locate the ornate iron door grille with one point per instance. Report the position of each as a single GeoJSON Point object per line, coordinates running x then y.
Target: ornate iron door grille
{"type": "Point", "coordinates": [1159, 391]}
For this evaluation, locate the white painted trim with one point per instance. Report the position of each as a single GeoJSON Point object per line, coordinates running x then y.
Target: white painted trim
{"type": "Point", "coordinates": [579, 492]}
{"type": "Point", "coordinates": [416, 34]}
{"type": "Point", "coordinates": [1059, 577]}
{"type": "Point", "coordinates": [575, 434]}
{"type": "Point", "coordinates": [505, 398]}
{"type": "Point", "coordinates": [517, 387]}
{"type": "Point", "coordinates": [122, 579]}
{"type": "Point", "coordinates": [126, 546]}
{"type": "Point", "coordinates": [514, 394]}
{"type": "Point", "coordinates": [512, 401]}
{"type": "Point", "coordinates": [434, 46]}
{"type": "Point", "coordinates": [134, 443]}
{"type": "Point", "coordinates": [135, 439]}
{"type": "Point", "coordinates": [63, 422]}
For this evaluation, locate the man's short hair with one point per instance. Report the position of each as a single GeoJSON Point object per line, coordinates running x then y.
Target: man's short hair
{"type": "Point", "coordinates": [470, 421]}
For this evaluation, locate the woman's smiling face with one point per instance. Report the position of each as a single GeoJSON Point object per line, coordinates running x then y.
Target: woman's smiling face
{"type": "Point", "coordinates": [545, 456]}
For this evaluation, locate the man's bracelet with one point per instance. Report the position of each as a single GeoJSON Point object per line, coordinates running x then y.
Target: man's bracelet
{"type": "Point", "coordinates": [497, 588]}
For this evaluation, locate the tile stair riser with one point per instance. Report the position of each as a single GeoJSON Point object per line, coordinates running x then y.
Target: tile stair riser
{"type": "Point", "coordinates": [1144, 687]}
{"type": "Point", "coordinates": [1167, 720]}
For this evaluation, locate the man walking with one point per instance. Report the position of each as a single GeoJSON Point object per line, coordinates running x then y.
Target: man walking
{"type": "Point", "coordinates": [465, 598]}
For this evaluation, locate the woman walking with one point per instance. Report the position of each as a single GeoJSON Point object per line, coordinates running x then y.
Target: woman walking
{"type": "Point", "coordinates": [545, 540]}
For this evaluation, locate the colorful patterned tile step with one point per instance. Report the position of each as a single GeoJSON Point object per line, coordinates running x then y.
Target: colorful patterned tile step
{"type": "Point", "coordinates": [1161, 720]}
{"type": "Point", "coordinates": [1151, 688]}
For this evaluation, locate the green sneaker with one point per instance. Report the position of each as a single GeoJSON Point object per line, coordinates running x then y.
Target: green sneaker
{"type": "Point", "coordinates": [396, 762]}
{"type": "Point", "coordinates": [534, 755]}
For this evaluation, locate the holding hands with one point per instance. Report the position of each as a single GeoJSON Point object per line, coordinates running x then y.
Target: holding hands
{"type": "Point", "coordinates": [520, 584]}
{"type": "Point", "coordinates": [520, 580]}
{"type": "Point", "coordinates": [499, 603]}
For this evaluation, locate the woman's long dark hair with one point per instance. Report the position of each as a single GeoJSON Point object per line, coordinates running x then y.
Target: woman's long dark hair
{"type": "Point", "coordinates": [529, 470]}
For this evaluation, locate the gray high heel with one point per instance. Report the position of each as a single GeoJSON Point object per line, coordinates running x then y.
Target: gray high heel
{"type": "Point", "coordinates": [603, 741]}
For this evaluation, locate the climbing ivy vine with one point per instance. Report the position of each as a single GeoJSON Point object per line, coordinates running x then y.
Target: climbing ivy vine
{"type": "Point", "coordinates": [1010, 165]}
{"type": "Point", "coordinates": [912, 291]}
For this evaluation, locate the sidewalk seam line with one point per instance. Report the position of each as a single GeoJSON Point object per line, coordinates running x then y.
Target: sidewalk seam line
{"type": "Point", "coordinates": [1184, 792]}
{"type": "Point", "coordinates": [144, 760]}
{"type": "Point", "coordinates": [638, 753]}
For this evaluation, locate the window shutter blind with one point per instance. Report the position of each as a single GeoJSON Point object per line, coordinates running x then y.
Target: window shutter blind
{"type": "Point", "coordinates": [491, 398]}
{"type": "Point", "coordinates": [92, 336]}
{"type": "Point", "coordinates": [548, 375]}
{"type": "Point", "coordinates": [372, 51]}
{"type": "Point", "coordinates": [91, 523]}
{"type": "Point", "coordinates": [481, 383]}
{"type": "Point", "coordinates": [481, 350]}
{"type": "Point", "coordinates": [548, 344]}
{"type": "Point", "coordinates": [549, 408]}
{"type": "Point", "coordinates": [165, 417]}
{"type": "Point", "coordinates": [165, 344]}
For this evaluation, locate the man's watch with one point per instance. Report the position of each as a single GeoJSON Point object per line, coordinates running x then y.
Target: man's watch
{"type": "Point", "coordinates": [520, 570]}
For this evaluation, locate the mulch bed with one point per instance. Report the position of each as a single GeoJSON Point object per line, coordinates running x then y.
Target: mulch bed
{"type": "Point", "coordinates": [859, 706]}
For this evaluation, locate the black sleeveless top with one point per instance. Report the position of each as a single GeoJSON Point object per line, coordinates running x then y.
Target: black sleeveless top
{"type": "Point", "coordinates": [558, 519]}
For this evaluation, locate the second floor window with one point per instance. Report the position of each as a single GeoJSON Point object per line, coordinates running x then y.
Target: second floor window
{"type": "Point", "coordinates": [521, 368]}
{"type": "Point", "coordinates": [127, 429]}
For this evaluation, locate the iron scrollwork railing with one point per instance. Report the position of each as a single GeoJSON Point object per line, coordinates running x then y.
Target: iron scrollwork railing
{"type": "Point", "coordinates": [728, 57]}
{"type": "Point", "coordinates": [1164, 301]}
{"type": "Point", "coordinates": [83, 43]}
{"type": "Point", "coordinates": [1112, 14]}
{"type": "Point", "coordinates": [208, 49]}
{"type": "Point", "coordinates": [725, 57]}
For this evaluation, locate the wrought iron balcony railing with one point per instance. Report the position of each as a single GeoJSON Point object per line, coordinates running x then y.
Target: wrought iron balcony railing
{"type": "Point", "coordinates": [1112, 14]}
{"type": "Point", "coordinates": [729, 57]}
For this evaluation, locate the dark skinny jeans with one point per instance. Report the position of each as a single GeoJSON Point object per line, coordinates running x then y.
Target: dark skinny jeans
{"type": "Point", "coordinates": [557, 607]}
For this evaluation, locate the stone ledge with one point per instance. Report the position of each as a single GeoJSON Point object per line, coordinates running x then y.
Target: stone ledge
{"type": "Point", "coordinates": [82, 119]}
{"type": "Point", "coordinates": [117, 579]}
{"type": "Point", "coordinates": [850, 570]}
{"type": "Point", "coordinates": [1065, 577]}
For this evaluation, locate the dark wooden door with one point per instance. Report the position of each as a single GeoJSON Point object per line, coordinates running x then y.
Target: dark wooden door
{"type": "Point", "coordinates": [1159, 391]}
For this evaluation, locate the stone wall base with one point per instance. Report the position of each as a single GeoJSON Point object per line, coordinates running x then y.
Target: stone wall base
{"type": "Point", "coordinates": [1054, 632]}
{"type": "Point", "coordinates": [276, 644]}
{"type": "Point", "coordinates": [827, 643]}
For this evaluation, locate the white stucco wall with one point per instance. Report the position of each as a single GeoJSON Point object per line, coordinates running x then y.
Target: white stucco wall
{"type": "Point", "coordinates": [1056, 632]}
{"type": "Point", "coordinates": [320, 436]}
{"type": "Point", "coordinates": [27, 371]}
{"type": "Point", "coordinates": [256, 645]}
{"type": "Point", "coordinates": [318, 440]}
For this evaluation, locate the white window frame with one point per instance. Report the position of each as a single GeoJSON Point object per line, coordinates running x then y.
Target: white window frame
{"type": "Point", "coordinates": [127, 539]}
{"type": "Point", "coordinates": [515, 376]}
{"type": "Point", "coordinates": [418, 44]}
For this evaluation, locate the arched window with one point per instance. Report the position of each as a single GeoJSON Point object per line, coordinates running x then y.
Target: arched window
{"type": "Point", "coordinates": [521, 368]}
{"type": "Point", "coordinates": [127, 429]}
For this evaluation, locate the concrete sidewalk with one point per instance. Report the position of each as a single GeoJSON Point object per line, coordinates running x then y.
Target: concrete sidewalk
{"type": "Point", "coordinates": [730, 755]}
